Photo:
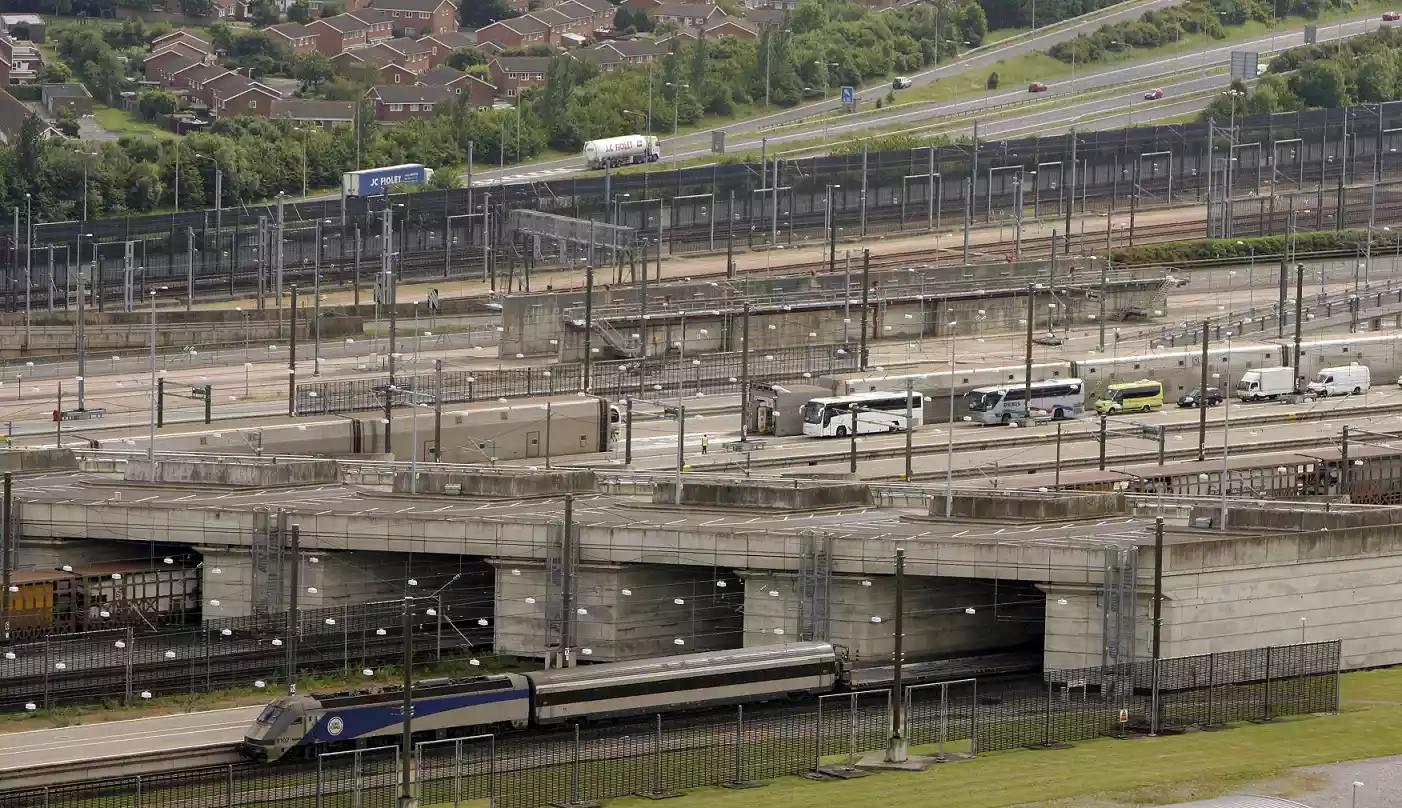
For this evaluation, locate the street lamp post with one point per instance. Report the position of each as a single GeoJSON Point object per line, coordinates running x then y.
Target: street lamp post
{"type": "Point", "coordinates": [949, 439]}
{"type": "Point", "coordinates": [676, 109]}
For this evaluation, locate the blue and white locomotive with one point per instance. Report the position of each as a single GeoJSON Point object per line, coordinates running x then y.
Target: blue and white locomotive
{"type": "Point", "coordinates": [296, 725]}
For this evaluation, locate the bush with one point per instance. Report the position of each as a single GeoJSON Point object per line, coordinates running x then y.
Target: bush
{"type": "Point", "coordinates": [992, 82]}
{"type": "Point", "coordinates": [1222, 249]}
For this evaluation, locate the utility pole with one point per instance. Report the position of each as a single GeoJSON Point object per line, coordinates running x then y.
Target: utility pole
{"type": "Point", "coordinates": [896, 745]}
{"type": "Point", "coordinates": [406, 750]}
{"type": "Point", "coordinates": [292, 359]}
{"type": "Point", "coordinates": [6, 542]}
{"type": "Point", "coordinates": [1027, 370]}
{"type": "Point", "coordinates": [1202, 399]}
{"type": "Point", "coordinates": [438, 411]}
{"type": "Point", "coordinates": [293, 614]}
{"type": "Point", "coordinates": [1156, 647]}
{"type": "Point", "coordinates": [588, 324]}
{"type": "Point", "coordinates": [866, 293]}
{"type": "Point", "coordinates": [1104, 281]}
{"type": "Point", "coordinates": [744, 373]}
{"type": "Point", "coordinates": [1299, 322]}
{"type": "Point", "coordinates": [909, 416]}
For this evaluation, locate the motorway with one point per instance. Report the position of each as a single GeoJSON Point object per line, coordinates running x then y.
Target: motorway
{"type": "Point", "coordinates": [973, 60]}
{"type": "Point", "coordinates": [1049, 115]}
{"type": "Point", "coordinates": [115, 739]}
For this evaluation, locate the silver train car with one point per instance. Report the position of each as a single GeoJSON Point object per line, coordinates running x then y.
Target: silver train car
{"type": "Point", "coordinates": [305, 725]}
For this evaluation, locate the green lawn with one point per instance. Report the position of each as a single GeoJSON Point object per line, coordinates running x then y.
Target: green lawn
{"type": "Point", "coordinates": [119, 122]}
{"type": "Point", "coordinates": [1147, 771]}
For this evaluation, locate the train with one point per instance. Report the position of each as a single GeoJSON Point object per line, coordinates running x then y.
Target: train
{"type": "Point", "coordinates": [295, 726]}
{"type": "Point", "coordinates": [501, 702]}
{"type": "Point", "coordinates": [102, 596]}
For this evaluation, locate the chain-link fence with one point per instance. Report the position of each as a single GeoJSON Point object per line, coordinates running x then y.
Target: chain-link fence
{"type": "Point", "coordinates": [717, 373]}
{"type": "Point", "coordinates": [127, 665]}
{"type": "Point", "coordinates": [658, 755]}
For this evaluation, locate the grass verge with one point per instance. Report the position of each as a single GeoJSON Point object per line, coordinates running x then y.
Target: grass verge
{"type": "Point", "coordinates": [120, 122]}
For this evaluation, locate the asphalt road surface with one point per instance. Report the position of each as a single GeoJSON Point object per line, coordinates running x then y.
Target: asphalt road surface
{"type": "Point", "coordinates": [113, 739]}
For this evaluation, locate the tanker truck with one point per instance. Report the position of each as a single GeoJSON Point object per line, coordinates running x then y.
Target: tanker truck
{"type": "Point", "coordinates": [621, 151]}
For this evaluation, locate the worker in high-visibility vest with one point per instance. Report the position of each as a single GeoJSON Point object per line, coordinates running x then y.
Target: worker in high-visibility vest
{"type": "Point", "coordinates": [705, 443]}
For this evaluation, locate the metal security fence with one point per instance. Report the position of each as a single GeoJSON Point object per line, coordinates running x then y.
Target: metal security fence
{"type": "Point", "coordinates": [715, 373]}
{"type": "Point", "coordinates": [127, 665]}
{"type": "Point", "coordinates": [663, 754]}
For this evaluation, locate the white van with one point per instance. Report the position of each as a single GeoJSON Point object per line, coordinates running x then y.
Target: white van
{"type": "Point", "coordinates": [1352, 379]}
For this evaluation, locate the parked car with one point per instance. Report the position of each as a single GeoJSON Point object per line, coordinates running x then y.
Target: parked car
{"type": "Point", "coordinates": [1153, 95]}
{"type": "Point", "coordinates": [1195, 398]}
{"type": "Point", "coordinates": [1036, 87]}
{"type": "Point", "coordinates": [901, 83]}
{"type": "Point", "coordinates": [1392, 16]}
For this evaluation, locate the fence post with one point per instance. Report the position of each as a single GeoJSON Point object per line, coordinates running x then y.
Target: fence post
{"type": "Point", "coordinates": [739, 781]}
{"type": "Point", "coordinates": [944, 720]}
{"type": "Point", "coordinates": [1047, 719]}
{"type": "Point", "coordinates": [1211, 686]}
{"type": "Point", "coordinates": [492, 771]}
{"type": "Point", "coordinates": [229, 785]}
{"type": "Point", "coordinates": [1269, 649]}
{"type": "Point", "coordinates": [48, 664]}
{"type": "Point", "coordinates": [1154, 695]}
{"type": "Point", "coordinates": [457, 772]}
{"type": "Point", "coordinates": [318, 781]}
{"type": "Point", "coordinates": [131, 651]}
{"type": "Point", "coordinates": [852, 729]}
{"type": "Point", "coordinates": [818, 738]}
{"type": "Point", "coordinates": [574, 770]}
{"type": "Point", "coordinates": [138, 792]}
{"type": "Point", "coordinates": [973, 721]}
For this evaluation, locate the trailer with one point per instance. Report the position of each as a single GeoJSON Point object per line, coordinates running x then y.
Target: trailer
{"type": "Point", "coordinates": [374, 181]}
{"type": "Point", "coordinates": [619, 151]}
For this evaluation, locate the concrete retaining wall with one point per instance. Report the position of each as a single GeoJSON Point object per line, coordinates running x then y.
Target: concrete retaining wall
{"type": "Point", "coordinates": [26, 461]}
{"type": "Point", "coordinates": [268, 474]}
{"type": "Point", "coordinates": [801, 496]}
{"type": "Point", "coordinates": [506, 484]}
{"type": "Point", "coordinates": [1030, 507]}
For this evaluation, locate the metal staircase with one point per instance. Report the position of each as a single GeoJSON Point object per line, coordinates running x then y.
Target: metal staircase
{"type": "Point", "coordinates": [1155, 303]}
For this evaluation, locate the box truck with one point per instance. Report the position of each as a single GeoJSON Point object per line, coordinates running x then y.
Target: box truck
{"type": "Point", "coordinates": [375, 181]}
{"type": "Point", "coordinates": [1341, 381]}
{"type": "Point", "coordinates": [1265, 384]}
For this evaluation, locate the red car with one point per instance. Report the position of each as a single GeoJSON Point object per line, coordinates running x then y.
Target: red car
{"type": "Point", "coordinates": [1392, 16]}
{"type": "Point", "coordinates": [1036, 87]}
{"type": "Point", "coordinates": [1153, 95]}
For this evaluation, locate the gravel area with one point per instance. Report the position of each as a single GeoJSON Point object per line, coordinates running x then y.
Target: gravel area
{"type": "Point", "coordinates": [1332, 784]}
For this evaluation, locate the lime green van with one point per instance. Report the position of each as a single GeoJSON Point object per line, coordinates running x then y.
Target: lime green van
{"type": "Point", "coordinates": [1141, 396]}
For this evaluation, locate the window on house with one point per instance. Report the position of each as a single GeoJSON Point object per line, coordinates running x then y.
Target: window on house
{"type": "Point", "coordinates": [396, 107]}
{"type": "Point", "coordinates": [413, 107]}
{"type": "Point", "coordinates": [396, 78]}
{"type": "Point", "coordinates": [253, 104]}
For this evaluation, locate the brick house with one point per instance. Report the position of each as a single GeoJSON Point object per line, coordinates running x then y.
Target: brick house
{"type": "Point", "coordinates": [610, 56]}
{"type": "Point", "coordinates": [167, 71]}
{"type": "Point", "coordinates": [252, 99]}
{"type": "Point", "coordinates": [388, 69]}
{"type": "Point", "coordinates": [398, 104]}
{"type": "Point", "coordinates": [13, 114]}
{"type": "Point", "coordinates": [169, 60]}
{"type": "Point", "coordinates": [410, 53]}
{"type": "Point", "coordinates": [229, 85]}
{"type": "Point", "coordinates": [183, 36]}
{"type": "Point", "coordinates": [600, 12]}
{"type": "Point", "coordinates": [191, 80]}
{"type": "Point", "coordinates": [442, 44]}
{"type": "Point", "coordinates": [298, 37]}
{"type": "Point", "coordinates": [517, 32]}
{"type": "Point", "coordinates": [732, 28]}
{"type": "Point", "coordinates": [349, 31]}
{"type": "Point", "coordinates": [569, 25]}
{"type": "Point", "coordinates": [415, 18]}
{"type": "Point", "coordinates": [479, 92]}
{"type": "Point", "coordinates": [318, 113]}
{"type": "Point", "coordinates": [511, 74]}
{"type": "Point", "coordinates": [688, 15]}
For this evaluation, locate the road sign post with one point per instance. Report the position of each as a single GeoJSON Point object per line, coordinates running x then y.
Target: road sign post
{"type": "Point", "coordinates": [849, 98]}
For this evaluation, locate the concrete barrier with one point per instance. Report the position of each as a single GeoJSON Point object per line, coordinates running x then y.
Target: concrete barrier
{"type": "Point", "coordinates": [34, 461]}
{"type": "Point", "coordinates": [1023, 506]}
{"type": "Point", "coordinates": [499, 484]}
{"type": "Point", "coordinates": [268, 474]}
{"type": "Point", "coordinates": [806, 496]}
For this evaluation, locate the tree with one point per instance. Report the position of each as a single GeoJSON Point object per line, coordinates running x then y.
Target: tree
{"type": "Point", "coordinates": [479, 13]}
{"type": "Point", "coordinates": [263, 13]}
{"type": "Point", "coordinates": [67, 122]}
{"type": "Point", "coordinates": [157, 102]}
{"type": "Point", "coordinates": [1321, 84]}
{"type": "Point", "coordinates": [300, 11]}
{"type": "Point", "coordinates": [313, 70]}
{"type": "Point", "coordinates": [197, 8]}
{"type": "Point", "coordinates": [992, 82]}
{"type": "Point", "coordinates": [464, 58]}
{"type": "Point", "coordinates": [1377, 79]}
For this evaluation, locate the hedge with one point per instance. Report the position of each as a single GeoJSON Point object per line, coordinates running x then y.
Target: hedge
{"type": "Point", "coordinates": [1219, 249]}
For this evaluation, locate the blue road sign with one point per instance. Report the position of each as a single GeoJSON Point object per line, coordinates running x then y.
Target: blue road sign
{"type": "Point", "coordinates": [848, 95]}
